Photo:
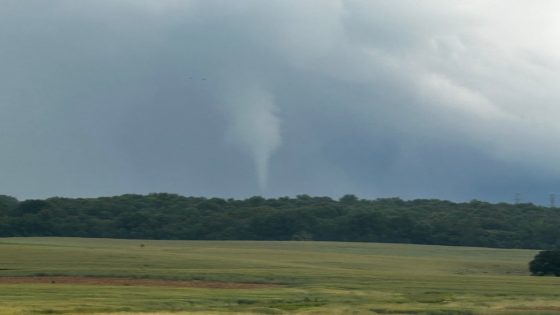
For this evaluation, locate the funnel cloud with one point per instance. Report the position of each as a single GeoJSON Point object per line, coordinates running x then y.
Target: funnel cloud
{"type": "Point", "coordinates": [254, 127]}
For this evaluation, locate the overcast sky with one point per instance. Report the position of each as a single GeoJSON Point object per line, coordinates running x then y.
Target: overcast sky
{"type": "Point", "coordinates": [441, 99]}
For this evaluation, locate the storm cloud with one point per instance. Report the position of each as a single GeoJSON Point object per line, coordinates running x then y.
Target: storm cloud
{"type": "Point", "coordinates": [419, 99]}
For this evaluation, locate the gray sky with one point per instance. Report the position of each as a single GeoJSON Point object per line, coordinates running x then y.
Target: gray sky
{"type": "Point", "coordinates": [418, 99]}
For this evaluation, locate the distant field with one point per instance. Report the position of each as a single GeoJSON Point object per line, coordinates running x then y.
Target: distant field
{"type": "Point", "coordinates": [215, 277]}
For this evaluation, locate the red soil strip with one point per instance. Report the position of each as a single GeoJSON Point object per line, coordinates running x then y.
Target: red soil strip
{"type": "Point", "coordinates": [132, 282]}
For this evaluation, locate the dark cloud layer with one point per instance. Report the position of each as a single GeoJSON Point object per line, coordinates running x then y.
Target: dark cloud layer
{"type": "Point", "coordinates": [431, 99]}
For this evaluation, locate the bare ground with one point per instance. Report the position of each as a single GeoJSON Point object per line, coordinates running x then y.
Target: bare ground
{"type": "Point", "coordinates": [132, 282]}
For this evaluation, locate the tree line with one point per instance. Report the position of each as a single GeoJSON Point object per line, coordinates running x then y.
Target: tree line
{"type": "Point", "coordinates": [171, 216]}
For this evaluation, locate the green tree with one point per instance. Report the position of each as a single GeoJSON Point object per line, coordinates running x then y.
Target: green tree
{"type": "Point", "coordinates": [32, 206]}
{"type": "Point", "coordinates": [546, 262]}
{"type": "Point", "coordinates": [7, 203]}
{"type": "Point", "coordinates": [348, 198]}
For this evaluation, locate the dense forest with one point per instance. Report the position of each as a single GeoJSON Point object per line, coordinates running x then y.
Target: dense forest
{"type": "Point", "coordinates": [170, 216]}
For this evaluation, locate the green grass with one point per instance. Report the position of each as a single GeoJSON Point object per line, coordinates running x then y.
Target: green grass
{"type": "Point", "coordinates": [314, 278]}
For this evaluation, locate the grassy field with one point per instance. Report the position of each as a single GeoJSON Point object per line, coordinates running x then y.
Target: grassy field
{"type": "Point", "coordinates": [308, 278]}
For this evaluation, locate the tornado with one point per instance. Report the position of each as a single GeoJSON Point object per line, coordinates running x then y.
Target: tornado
{"type": "Point", "coordinates": [254, 127]}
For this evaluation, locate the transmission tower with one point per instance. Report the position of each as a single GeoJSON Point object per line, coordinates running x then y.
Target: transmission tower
{"type": "Point", "coordinates": [517, 199]}
{"type": "Point", "coordinates": [553, 200]}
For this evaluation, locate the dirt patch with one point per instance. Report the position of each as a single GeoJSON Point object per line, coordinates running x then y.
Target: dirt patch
{"type": "Point", "coordinates": [132, 282]}
{"type": "Point", "coordinates": [535, 308]}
